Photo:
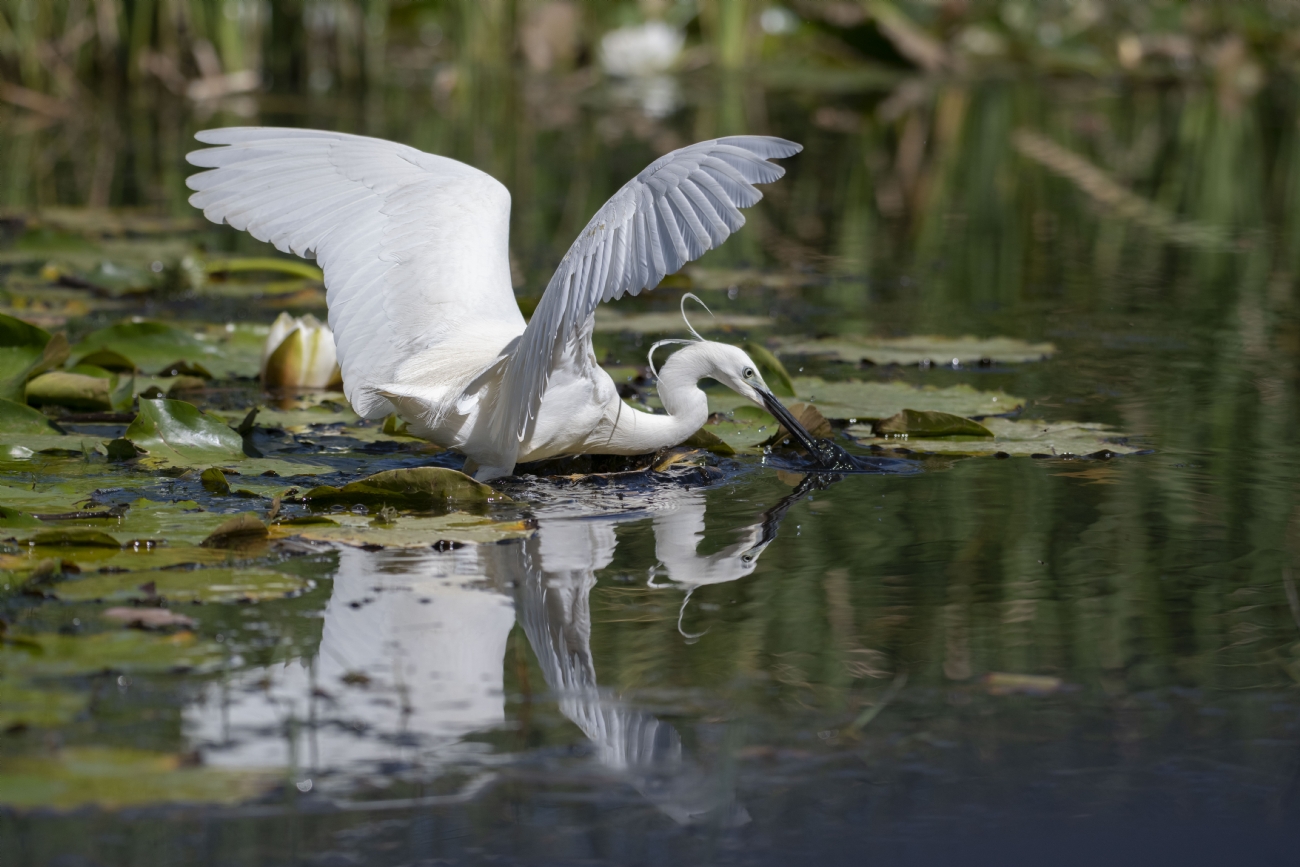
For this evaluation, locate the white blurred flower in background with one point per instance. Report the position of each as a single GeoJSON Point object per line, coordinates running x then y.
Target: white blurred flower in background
{"type": "Point", "coordinates": [642, 56]}
{"type": "Point", "coordinates": [299, 352]}
{"type": "Point", "coordinates": [647, 49]}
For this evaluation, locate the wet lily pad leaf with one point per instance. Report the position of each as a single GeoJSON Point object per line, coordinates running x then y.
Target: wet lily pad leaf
{"type": "Point", "coordinates": [75, 390]}
{"type": "Point", "coordinates": [921, 349]}
{"type": "Point", "coordinates": [419, 488]}
{"type": "Point", "coordinates": [1027, 437]}
{"type": "Point", "coordinates": [127, 651]}
{"type": "Point", "coordinates": [73, 536]}
{"type": "Point", "coordinates": [148, 618]}
{"type": "Point", "coordinates": [108, 778]}
{"type": "Point", "coordinates": [18, 418]}
{"type": "Point", "coordinates": [109, 360]}
{"type": "Point", "coordinates": [710, 442]}
{"type": "Point", "coordinates": [176, 433]}
{"type": "Point", "coordinates": [22, 704]}
{"type": "Point", "coordinates": [11, 518]}
{"type": "Point", "coordinates": [877, 400]}
{"type": "Point", "coordinates": [15, 453]}
{"type": "Point", "coordinates": [183, 586]}
{"type": "Point", "coordinates": [214, 481]}
{"type": "Point", "coordinates": [22, 349]}
{"type": "Point", "coordinates": [294, 267]}
{"type": "Point", "coordinates": [407, 532]}
{"type": "Point", "coordinates": [151, 346]}
{"type": "Point", "coordinates": [239, 530]}
{"type": "Point", "coordinates": [743, 430]}
{"type": "Point", "coordinates": [773, 371]}
{"type": "Point", "coordinates": [918, 423]}
{"type": "Point", "coordinates": [121, 449]}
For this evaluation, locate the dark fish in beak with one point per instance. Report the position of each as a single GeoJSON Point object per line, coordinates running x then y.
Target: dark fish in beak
{"type": "Point", "coordinates": [796, 430]}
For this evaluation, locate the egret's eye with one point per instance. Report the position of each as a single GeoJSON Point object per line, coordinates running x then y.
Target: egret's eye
{"type": "Point", "coordinates": [749, 373]}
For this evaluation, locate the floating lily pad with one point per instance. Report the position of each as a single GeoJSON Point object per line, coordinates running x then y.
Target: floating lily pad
{"type": "Point", "coordinates": [921, 349]}
{"type": "Point", "coordinates": [22, 704]}
{"type": "Point", "coordinates": [12, 518]}
{"type": "Point", "coordinates": [419, 488]}
{"type": "Point", "coordinates": [214, 481]}
{"type": "Point", "coordinates": [178, 586]}
{"type": "Point", "coordinates": [79, 777]}
{"type": "Point", "coordinates": [77, 537]}
{"type": "Point", "coordinates": [147, 618]}
{"type": "Point", "coordinates": [152, 346]}
{"type": "Point", "coordinates": [877, 400]}
{"type": "Point", "coordinates": [24, 351]}
{"type": "Point", "coordinates": [18, 418]}
{"type": "Point", "coordinates": [1019, 438]}
{"type": "Point", "coordinates": [239, 530]}
{"type": "Point", "coordinates": [86, 387]}
{"type": "Point", "coordinates": [918, 423]}
{"type": "Point", "coordinates": [176, 433]}
{"type": "Point", "coordinates": [126, 651]}
{"type": "Point", "coordinates": [407, 532]}
{"type": "Point", "coordinates": [710, 442]}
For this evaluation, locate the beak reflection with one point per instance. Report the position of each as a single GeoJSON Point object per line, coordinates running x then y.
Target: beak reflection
{"type": "Point", "coordinates": [792, 425]}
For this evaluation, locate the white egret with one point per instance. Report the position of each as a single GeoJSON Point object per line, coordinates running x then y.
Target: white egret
{"type": "Point", "coordinates": [415, 251]}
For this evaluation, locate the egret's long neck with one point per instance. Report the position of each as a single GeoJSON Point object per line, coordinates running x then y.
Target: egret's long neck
{"type": "Point", "coordinates": [688, 409]}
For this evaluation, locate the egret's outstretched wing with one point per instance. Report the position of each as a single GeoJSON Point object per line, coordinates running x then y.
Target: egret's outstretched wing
{"type": "Point", "coordinates": [680, 206]}
{"type": "Point", "coordinates": [414, 246]}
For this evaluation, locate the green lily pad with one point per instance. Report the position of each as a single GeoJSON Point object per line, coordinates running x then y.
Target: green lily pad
{"type": "Point", "coordinates": [407, 532]}
{"type": "Point", "coordinates": [710, 442]}
{"type": "Point", "coordinates": [239, 530]}
{"type": "Point", "coordinates": [24, 705]}
{"type": "Point", "coordinates": [176, 433]}
{"type": "Point", "coordinates": [916, 423]}
{"type": "Point", "coordinates": [85, 388]}
{"type": "Point", "coordinates": [183, 585]}
{"type": "Point", "coordinates": [152, 346]}
{"type": "Point", "coordinates": [921, 349]}
{"type": "Point", "coordinates": [80, 537]}
{"type": "Point", "coordinates": [214, 481]}
{"type": "Point", "coordinates": [24, 351]}
{"type": "Point", "coordinates": [852, 399]}
{"type": "Point", "coordinates": [126, 651]}
{"type": "Point", "coordinates": [419, 488]}
{"type": "Point", "coordinates": [108, 778]}
{"type": "Point", "coordinates": [12, 518]}
{"type": "Point", "coordinates": [1028, 437]}
{"type": "Point", "coordinates": [18, 418]}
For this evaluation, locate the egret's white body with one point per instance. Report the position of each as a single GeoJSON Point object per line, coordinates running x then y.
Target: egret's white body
{"type": "Point", "coordinates": [415, 252]}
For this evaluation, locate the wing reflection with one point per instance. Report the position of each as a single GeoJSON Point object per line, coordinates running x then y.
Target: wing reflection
{"type": "Point", "coordinates": [411, 658]}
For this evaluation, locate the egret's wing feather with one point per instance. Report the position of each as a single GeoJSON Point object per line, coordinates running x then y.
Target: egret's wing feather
{"type": "Point", "coordinates": [415, 247]}
{"type": "Point", "coordinates": [682, 205]}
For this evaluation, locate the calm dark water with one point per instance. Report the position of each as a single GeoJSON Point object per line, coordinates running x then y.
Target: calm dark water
{"type": "Point", "coordinates": [745, 671]}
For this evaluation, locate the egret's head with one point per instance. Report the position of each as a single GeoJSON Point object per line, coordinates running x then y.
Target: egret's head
{"type": "Point", "coordinates": [705, 359]}
{"type": "Point", "coordinates": [737, 371]}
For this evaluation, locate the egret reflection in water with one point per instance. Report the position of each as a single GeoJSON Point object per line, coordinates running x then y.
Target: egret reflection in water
{"type": "Point", "coordinates": [411, 659]}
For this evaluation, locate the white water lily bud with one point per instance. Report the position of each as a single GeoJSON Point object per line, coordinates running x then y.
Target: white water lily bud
{"type": "Point", "coordinates": [299, 352]}
{"type": "Point", "coordinates": [648, 49]}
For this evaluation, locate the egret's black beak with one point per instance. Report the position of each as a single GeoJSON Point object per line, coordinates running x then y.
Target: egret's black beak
{"type": "Point", "coordinates": [791, 425]}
